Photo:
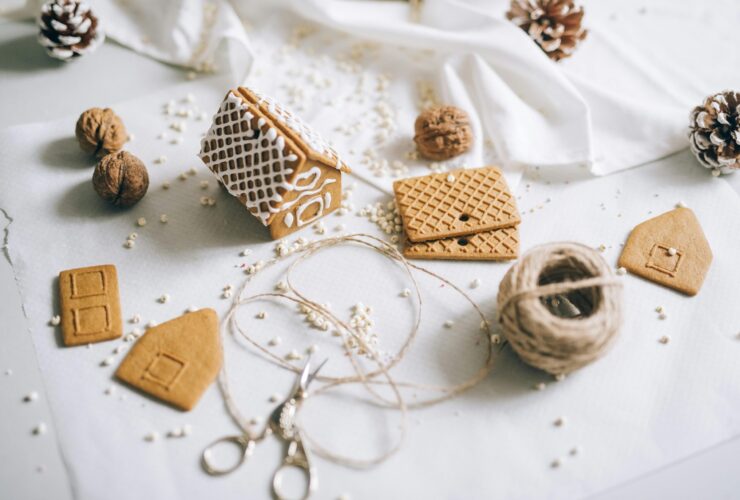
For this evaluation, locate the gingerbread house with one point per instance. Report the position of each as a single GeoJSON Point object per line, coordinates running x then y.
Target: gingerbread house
{"type": "Point", "coordinates": [282, 170]}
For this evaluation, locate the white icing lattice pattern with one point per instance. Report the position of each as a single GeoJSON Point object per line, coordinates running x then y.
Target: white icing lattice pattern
{"type": "Point", "coordinates": [313, 139]}
{"type": "Point", "coordinates": [253, 163]}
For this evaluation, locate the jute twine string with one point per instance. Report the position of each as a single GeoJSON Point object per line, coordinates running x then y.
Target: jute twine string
{"type": "Point", "coordinates": [370, 379]}
{"type": "Point", "coordinates": [560, 307]}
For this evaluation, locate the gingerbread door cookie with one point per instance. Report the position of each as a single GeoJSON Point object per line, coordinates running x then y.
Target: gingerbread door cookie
{"type": "Point", "coordinates": [277, 166]}
{"type": "Point", "coordinates": [90, 305]}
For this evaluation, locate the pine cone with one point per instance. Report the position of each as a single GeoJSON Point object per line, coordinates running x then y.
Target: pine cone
{"type": "Point", "coordinates": [555, 25]}
{"type": "Point", "coordinates": [68, 29]}
{"type": "Point", "coordinates": [714, 132]}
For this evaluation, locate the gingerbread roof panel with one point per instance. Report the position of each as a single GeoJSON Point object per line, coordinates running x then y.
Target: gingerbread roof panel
{"type": "Point", "coordinates": [250, 156]}
{"type": "Point", "coordinates": [316, 146]}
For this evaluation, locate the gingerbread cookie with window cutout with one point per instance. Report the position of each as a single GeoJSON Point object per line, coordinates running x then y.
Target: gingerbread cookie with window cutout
{"type": "Point", "coordinates": [670, 250]}
{"type": "Point", "coordinates": [278, 167]}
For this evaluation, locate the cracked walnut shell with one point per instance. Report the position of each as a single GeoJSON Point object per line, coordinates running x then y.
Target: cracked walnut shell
{"type": "Point", "coordinates": [121, 179]}
{"type": "Point", "coordinates": [443, 132]}
{"type": "Point", "coordinates": [100, 132]}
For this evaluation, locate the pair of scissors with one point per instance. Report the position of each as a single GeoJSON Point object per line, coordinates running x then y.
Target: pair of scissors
{"type": "Point", "coordinates": [282, 423]}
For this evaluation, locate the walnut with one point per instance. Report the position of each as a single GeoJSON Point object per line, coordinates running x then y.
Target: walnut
{"type": "Point", "coordinates": [442, 132]}
{"type": "Point", "coordinates": [121, 179]}
{"type": "Point", "coordinates": [100, 131]}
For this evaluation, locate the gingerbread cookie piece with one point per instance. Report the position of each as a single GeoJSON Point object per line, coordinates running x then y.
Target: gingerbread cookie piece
{"type": "Point", "coordinates": [90, 305]}
{"type": "Point", "coordinates": [177, 360]}
{"type": "Point", "coordinates": [277, 166]}
{"type": "Point", "coordinates": [670, 250]}
{"type": "Point", "coordinates": [453, 204]}
{"type": "Point", "coordinates": [498, 244]}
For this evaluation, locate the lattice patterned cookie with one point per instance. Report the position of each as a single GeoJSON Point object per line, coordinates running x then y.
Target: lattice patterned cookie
{"type": "Point", "coordinates": [498, 244]}
{"type": "Point", "coordinates": [455, 204]}
{"type": "Point", "coordinates": [277, 166]}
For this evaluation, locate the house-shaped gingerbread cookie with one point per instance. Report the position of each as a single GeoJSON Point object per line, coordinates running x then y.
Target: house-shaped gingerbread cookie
{"type": "Point", "coordinates": [277, 166]}
{"type": "Point", "coordinates": [670, 250]}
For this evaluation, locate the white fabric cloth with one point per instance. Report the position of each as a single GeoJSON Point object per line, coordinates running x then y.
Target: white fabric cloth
{"type": "Point", "coordinates": [622, 99]}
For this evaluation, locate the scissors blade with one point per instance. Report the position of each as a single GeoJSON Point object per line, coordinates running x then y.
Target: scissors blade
{"type": "Point", "coordinates": [313, 374]}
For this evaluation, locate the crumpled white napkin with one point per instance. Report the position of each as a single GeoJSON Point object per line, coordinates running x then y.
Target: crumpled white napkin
{"type": "Point", "coordinates": [615, 104]}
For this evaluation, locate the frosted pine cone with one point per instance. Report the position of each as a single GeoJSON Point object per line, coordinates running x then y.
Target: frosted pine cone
{"type": "Point", "coordinates": [714, 132]}
{"type": "Point", "coordinates": [555, 25]}
{"type": "Point", "coordinates": [68, 29]}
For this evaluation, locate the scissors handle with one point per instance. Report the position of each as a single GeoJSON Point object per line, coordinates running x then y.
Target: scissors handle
{"type": "Point", "coordinates": [243, 442]}
{"type": "Point", "coordinates": [298, 457]}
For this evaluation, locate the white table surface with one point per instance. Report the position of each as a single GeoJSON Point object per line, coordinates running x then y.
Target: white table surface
{"type": "Point", "coordinates": [35, 88]}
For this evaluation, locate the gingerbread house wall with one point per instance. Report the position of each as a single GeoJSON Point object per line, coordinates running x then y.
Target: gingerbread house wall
{"type": "Point", "coordinates": [318, 192]}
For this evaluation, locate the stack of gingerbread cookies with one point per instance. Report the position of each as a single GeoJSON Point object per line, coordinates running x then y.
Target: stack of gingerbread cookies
{"type": "Point", "coordinates": [466, 214]}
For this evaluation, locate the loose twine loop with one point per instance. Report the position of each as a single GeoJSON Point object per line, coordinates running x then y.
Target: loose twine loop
{"type": "Point", "coordinates": [560, 307]}
{"type": "Point", "coordinates": [369, 379]}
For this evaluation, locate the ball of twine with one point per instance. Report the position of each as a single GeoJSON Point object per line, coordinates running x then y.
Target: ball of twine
{"type": "Point", "coordinates": [560, 307]}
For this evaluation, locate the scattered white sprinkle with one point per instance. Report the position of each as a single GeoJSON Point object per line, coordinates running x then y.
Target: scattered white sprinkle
{"type": "Point", "coordinates": [681, 204]}
{"type": "Point", "coordinates": [621, 271]}
{"type": "Point", "coordinates": [160, 159]}
{"type": "Point", "coordinates": [192, 309]}
{"type": "Point", "coordinates": [189, 98]}
{"type": "Point", "coordinates": [162, 135]}
{"type": "Point", "coordinates": [559, 422]}
{"type": "Point", "coordinates": [574, 451]}
{"type": "Point", "coordinates": [183, 176]}
{"type": "Point", "coordinates": [261, 315]}
{"type": "Point", "coordinates": [31, 397]}
{"type": "Point", "coordinates": [131, 137]}
{"type": "Point", "coordinates": [495, 339]}
{"type": "Point", "coordinates": [136, 318]}
{"type": "Point", "coordinates": [191, 75]}
{"type": "Point", "coordinates": [226, 294]}
{"type": "Point", "coordinates": [163, 218]}
{"type": "Point", "coordinates": [151, 324]}
{"type": "Point", "coordinates": [344, 496]}
{"type": "Point", "coordinates": [450, 178]}
{"type": "Point", "coordinates": [141, 221]}
{"type": "Point", "coordinates": [152, 436]}
{"type": "Point", "coordinates": [129, 243]}
{"type": "Point", "coordinates": [716, 172]}
{"type": "Point", "coordinates": [165, 185]}
{"type": "Point", "coordinates": [672, 251]}
{"type": "Point", "coordinates": [41, 469]}
{"type": "Point", "coordinates": [192, 171]}
{"type": "Point", "coordinates": [275, 341]}
{"type": "Point", "coordinates": [186, 429]}
{"type": "Point", "coordinates": [449, 323]}
{"type": "Point", "coordinates": [659, 309]}
{"type": "Point", "coordinates": [281, 286]}
{"type": "Point", "coordinates": [175, 433]}
{"type": "Point", "coordinates": [119, 349]}
{"type": "Point", "coordinates": [164, 298]}
{"type": "Point", "coordinates": [540, 386]}
{"type": "Point", "coordinates": [274, 398]}
{"type": "Point", "coordinates": [204, 184]}
{"type": "Point", "coordinates": [110, 390]}
{"type": "Point", "coordinates": [405, 292]}
{"type": "Point", "coordinates": [107, 361]}
{"type": "Point", "coordinates": [293, 356]}
{"type": "Point", "coordinates": [560, 377]}
{"type": "Point", "coordinates": [662, 315]}
{"type": "Point", "coordinates": [555, 463]}
{"type": "Point", "coordinates": [55, 320]}
{"type": "Point", "coordinates": [475, 283]}
{"type": "Point", "coordinates": [602, 248]}
{"type": "Point", "coordinates": [176, 140]}
{"type": "Point", "coordinates": [246, 252]}
{"type": "Point", "coordinates": [8, 372]}
{"type": "Point", "coordinates": [664, 339]}
{"type": "Point", "coordinates": [312, 349]}
{"type": "Point", "coordinates": [39, 429]}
